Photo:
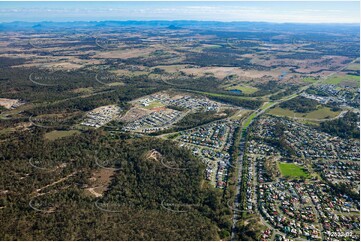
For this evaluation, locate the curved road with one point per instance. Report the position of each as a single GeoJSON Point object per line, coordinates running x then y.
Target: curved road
{"type": "Point", "coordinates": [252, 116]}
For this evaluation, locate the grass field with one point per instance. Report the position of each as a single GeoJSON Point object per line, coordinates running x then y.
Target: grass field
{"type": "Point", "coordinates": [173, 135]}
{"type": "Point", "coordinates": [266, 105]}
{"type": "Point", "coordinates": [6, 130]}
{"type": "Point", "coordinates": [309, 79]}
{"type": "Point", "coordinates": [338, 79]}
{"type": "Point", "coordinates": [83, 90]}
{"type": "Point", "coordinates": [154, 104]}
{"type": "Point", "coordinates": [249, 120]}
{"type": "Point", "coordinates": [211, 46]}
{"type": "Point", "coordinates": [243, 89]}
{"type": "Point", "coordinates": [292, 170]}
{"type": "Point", "coordinates": [321, 113]}
{"type": "Point", "coordinates": [240, 114]}
{"type": "Point", "coordinates": [113, 84]}
{"type": "Point", "coordinates": [57, 134]}
{"type": "Point", "coordinates": [354, 67]}
{"type": "Point", "coordinates": [312, 123]}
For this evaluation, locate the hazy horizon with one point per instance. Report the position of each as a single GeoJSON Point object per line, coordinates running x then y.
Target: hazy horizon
{"type": "Point", "coordinates": [273, 12]}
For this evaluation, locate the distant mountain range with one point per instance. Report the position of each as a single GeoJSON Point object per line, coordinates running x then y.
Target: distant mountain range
{"type": "Point", "coordinates": [173, 25]}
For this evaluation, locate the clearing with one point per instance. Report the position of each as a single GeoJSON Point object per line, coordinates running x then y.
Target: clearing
{"type": "Point", "coordinates": [57, 134]}
{"type": "Point", "coordinates": [154, 104]}
{"type": "Point", "coordinates": [292, 170]}
{"type": "Point", "coordinates": [343, 79]}
{"type": "Point", "coordinates": [309, 79]}
{"type": "Point", "coordinates": [321, 113]}
{"type": "Point", "coordinates": [99, 182]}
{"type": "Point", "coordinates": [243, 89]}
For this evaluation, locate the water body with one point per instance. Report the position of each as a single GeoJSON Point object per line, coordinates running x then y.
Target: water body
{"type": "Point", "coordinates": [235, 91]}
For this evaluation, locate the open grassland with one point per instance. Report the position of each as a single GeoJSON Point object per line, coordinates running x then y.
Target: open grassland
{"type": "Point", "coordinates": [169, 68]}
{"type": "Point", "coordinates": [309, 79]}
{"type": "Point", "coordinates": [222, 72]}
{"type": "Point", "coordinates": [125, 53]}
{"type": "Point", "coordinates": [211, 46]}
{"type": "Point", "coordinates": [114, 84]}
{"type": "Point", "coordinates": [266, 105]}
{"type": "Point", "coordinates": [57, 134]}
{"type": "Point", "coordinates": [321, 113]}
{"type": "Point", "coordinates": [249, 120]}
{"type": "Point", "coordinates": [154, 104]}
{"type": "Point", "coordinates": [243, 89]}
{"type": "Point", "coordinates": [126, 73]}
{"type": "Point", "coordinates": [354, 67]}
{"type": "Point", "coordinates": [240, 114]}
{"type": "Point", "coordinates": [292, 170]}
{"type": "Point", "coordinates": [339, 79]}
{"type": "Point", "coordinates": [173, 135]}
{"type": "Point", "coordinates": [6, 130]}
{"type": "Point", "coordinates": [311, 123]}
{"type": "Point", "coordinates": [83, 90]}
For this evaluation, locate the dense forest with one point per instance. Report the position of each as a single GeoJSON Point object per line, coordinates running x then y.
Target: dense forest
{"type": "Point", "coordinates": [245, 103]}
{"type": "Point", "coordinates": [107, 184]}
{"type": "Point", "coordinates": [283, 93]}
{"type": "Point", "coordinates": [23, 83]}
{"type": "Point", "coordinates": [267, 88]}
{"type": "Point", "coordinates": [196, 119]}
{"type": "Point", "coordinates": [345, 127]}
{"type": "Point", "coordinates": [300, 104]}
{"type": "Point", "coordinates": [149, 198]}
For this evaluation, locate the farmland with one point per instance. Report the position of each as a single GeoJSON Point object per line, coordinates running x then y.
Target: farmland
{"type": "Point", "coordinates": [346, 79]}
{"type": "Point", "coordinates": [178, 130]}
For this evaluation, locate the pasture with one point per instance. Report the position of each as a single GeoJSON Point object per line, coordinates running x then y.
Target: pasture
{"type": "Point", "coordinates": [320, 113]}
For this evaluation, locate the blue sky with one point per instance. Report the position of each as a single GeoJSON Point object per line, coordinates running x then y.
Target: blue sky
{"type": "Point", "coordinates": [285, 11]}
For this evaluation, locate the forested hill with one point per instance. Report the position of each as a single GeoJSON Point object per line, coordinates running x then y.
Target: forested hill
{"type": "Point", "coordinates": [156, 192]}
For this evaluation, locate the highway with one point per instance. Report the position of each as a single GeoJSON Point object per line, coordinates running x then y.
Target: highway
{"type": "Point", "coordinates": [252, 116]}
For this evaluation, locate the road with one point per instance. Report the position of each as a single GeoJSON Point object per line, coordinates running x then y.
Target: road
{"type": "Point", "coordinates": [297, 93]}
{"type": "Point", "coordinates": [252, 116]}
{"type": "Point", "coordinates": [238, 187]}
{"type": "Point", "coordinates": [37, 191]}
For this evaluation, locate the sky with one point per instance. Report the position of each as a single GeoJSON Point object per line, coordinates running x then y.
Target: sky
{"type": "Point", "coordinates": [269, 11]}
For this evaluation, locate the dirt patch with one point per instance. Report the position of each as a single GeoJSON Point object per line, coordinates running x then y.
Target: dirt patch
{"type": "Point", "coordinates": [158, 109]}
{"type": "Point", "coordinates": [124, 54]}
{"type": "Point", "coordinates": [100, 181]}
{"type": "Point", "coordinates": [10, 103]}
{"type": "Point", "coordinates": [135, 114]}
{"type": "Point", "coordinates": [154, 155]}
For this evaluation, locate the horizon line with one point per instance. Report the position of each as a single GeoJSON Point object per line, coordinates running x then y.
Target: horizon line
{"type": "Point", "coordinates": [181, 20]}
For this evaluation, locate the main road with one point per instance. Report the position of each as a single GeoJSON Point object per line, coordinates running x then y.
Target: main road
{"type": "Point", "coordinates": [245, 125]}
{"type": "Point", "coordinates": [236, 211]}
